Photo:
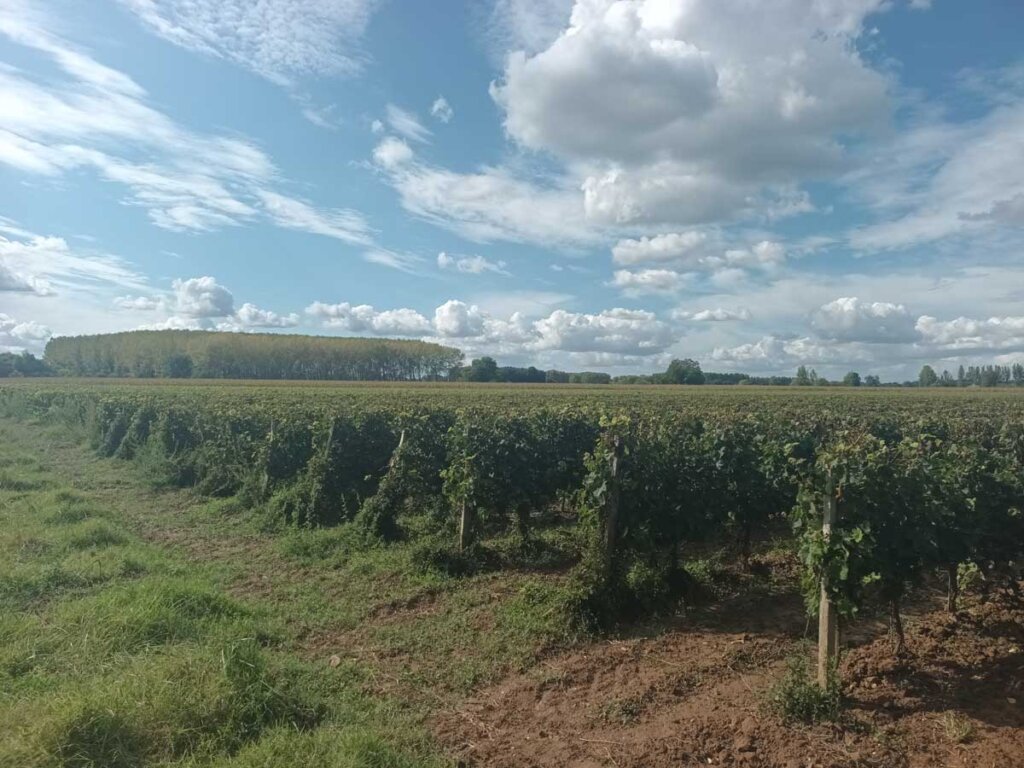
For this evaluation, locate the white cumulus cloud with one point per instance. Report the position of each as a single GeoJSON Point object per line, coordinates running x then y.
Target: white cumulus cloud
{"type": "Point", "coordinates": [850, 319]}
{"type": "Point", "coordinates": [964, 333]}
{"type": "Point", "coordinates": [674, 246]}
{"type": "Point", "coordinates": [22, 336]}
{"type": "Point", "coordinates": [458, 319]}
{"type": "Point", "coordinates": [697, 111]}
{"type": "Point", "coordinates": [392, 152]}
{"type": "Point", "coordinates": [641, 282]}
{"type": "Point", "coordinates": [614, 335]}
{"type": "Point", "coordinates": [716, 315]}
{"type": "Point", "coordinates": [251, 316]}
{"type": "Point", "coordinates": [13, 282]}
{"type": "Point", "coordinates": [202, 297]}
{"type": "Point", "coordinates": [363, 318]}
{"type": "Point", "coordinates": [140, 303]}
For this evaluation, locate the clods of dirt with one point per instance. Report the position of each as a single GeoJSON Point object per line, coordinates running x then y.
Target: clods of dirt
{"type": "Point", "coordinates": [693, 696]}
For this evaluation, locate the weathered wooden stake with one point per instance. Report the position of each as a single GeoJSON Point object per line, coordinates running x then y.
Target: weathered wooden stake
{"type": "Point", "coordinates": [397, 453]}
{"type": "Point", "coordinates": [611, 511]}
{"type": "Point", "coordinates": [952, 587]}
{"type": "Point", "coordinates": [265, 477]}
{"type": "Point", "coordinates": [465, 526]}
{"type": "Point", "coordinates": [828, 620]}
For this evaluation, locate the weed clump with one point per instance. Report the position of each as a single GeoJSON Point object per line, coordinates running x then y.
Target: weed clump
{"type": "Point", "coordinates": [956, 728]}
{"type": "Point", "coordinates": [148, 613]}
{"type": "Point", "coordinates": [26, 587]}
{"type": "Point", "coordinates": [797, 697]}
{"type": "Point", "coordinates": [72, 507]}
{"type": "Point", "coordinates": [318, 545]}
{"type": "Point", "coordinates": [93, 736]}
{"type": "Point", "coordinates": [68, 515]}
{"type": "Point", "coordinates": [96, 535]}
{"type": "Point", "coordinates": [439, 556]}
{"type": "Point", "coordinates": [354, 747]}
{"type": "Point", "coordinates": [180, 705]}
{"type": "Point", "coordinates": [19, 483]}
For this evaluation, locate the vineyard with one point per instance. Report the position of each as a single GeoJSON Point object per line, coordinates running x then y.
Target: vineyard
{"type": "Point", "coordinates": [411, 574]}
{"type": "Point", "coordinates": [920, 481]}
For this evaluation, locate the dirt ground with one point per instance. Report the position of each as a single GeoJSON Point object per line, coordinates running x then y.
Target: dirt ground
{"type": "Point", "coordinates": [694, 696]}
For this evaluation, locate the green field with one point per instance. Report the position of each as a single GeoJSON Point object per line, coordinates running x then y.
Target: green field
{"type": "Point", "coordinates": [235, 573]}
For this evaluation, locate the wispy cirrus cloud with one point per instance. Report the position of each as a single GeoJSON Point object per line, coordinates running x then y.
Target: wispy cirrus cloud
{"type": "Point", "coordinates": [491, 203]}
{"type": "Point", "coordinates": [524, 25]}
{"type": "Point", "coordinates": [407, 124]}
{"type": "Point", "coordinates": [403, 262]}
{"type": "Point", "coordinates": [342, 224]}
{"type": "Point", "coordinates": [940, 180]}
{"type": "Point", "coordinates": [97, 118]}
{"type": "Point", "coordinates": [472, 265]}
{"type": "Point", "coordinates": [46, 266]}
{"type": "Point", "coordinates": [277, 39]}
{"type": "Point", "coordinates": [442, 110]}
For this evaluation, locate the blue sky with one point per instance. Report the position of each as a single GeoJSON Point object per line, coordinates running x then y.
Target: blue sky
{"type": "Point", "coordinates": [590, 185]}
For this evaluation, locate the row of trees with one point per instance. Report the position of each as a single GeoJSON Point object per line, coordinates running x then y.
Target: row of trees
{"type": "Point", "coordinates": [688, 371]}
{"type": "Point", "coordinates": [974, 376]}
{"type": "Point", "coordinates": [214, 355]}
{"type": "Point", "coordinates": [25, 364]}
{"type": "Point", "coordinates": [486, 369]}
{"type": "Point", "coordinates": [810, 378]}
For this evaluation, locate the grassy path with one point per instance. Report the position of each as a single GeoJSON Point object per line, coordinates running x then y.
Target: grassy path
{"type": "Point", "coordinates": [143, 627]}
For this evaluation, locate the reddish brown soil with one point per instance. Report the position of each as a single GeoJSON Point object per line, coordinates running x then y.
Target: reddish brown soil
{"type": "Point", "coordinates": [694, 695]}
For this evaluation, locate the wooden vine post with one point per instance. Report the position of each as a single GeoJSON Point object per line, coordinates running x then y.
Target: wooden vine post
{"type": "Point", "coordinates": [265, 476]}
{"type": "Point", "coordinates": [465, 526]}
{"type": "Point", "coordinates": [396, 456]}
{"type": "Point", "coordinates": [611, 510]}
{"type": "Point", "coordinates": [828, 619]}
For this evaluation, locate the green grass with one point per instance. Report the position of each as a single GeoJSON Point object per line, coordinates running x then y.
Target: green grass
{"type": "Point", "coordinates": [118, 651]}
{"type": "Point", "coordinates": [143, 626]}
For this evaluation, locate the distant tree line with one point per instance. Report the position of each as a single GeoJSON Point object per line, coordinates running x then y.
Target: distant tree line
{"type": "Point", "coordinates": [25, 364]}
{"type": "Point", "coordinates": [219, 355]}
{"type": "Point", "coordinates": [688, 371]}
{"type": "Point", "coordinates": [974, 376]}
{"type": "Point", "coordinates": [210, 354]}
{"type": "Point", "coordinates": [484, 369]}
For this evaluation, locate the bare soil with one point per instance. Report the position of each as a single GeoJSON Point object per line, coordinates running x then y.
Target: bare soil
{"type": "Point", "coordinates": [693, 695]}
